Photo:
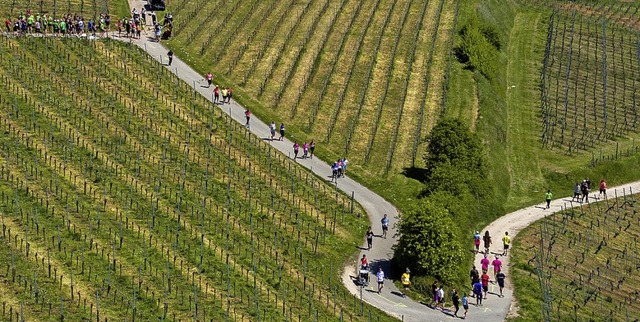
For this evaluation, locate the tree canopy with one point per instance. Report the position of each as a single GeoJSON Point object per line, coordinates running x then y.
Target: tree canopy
{"type": "Point", "coordinates": [455, 160]}
{"type": "Point", "coordinates": [428, 242]}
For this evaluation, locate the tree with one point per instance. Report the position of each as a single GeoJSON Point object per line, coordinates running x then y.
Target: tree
{"type": "Point", "coordinates": [428, 242]}
{"type": "Point", "coordinates": [455, 160]}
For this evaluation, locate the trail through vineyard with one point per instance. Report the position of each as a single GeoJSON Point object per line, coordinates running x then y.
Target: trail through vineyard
{"type": "Point", "coordinates": [390, 300]}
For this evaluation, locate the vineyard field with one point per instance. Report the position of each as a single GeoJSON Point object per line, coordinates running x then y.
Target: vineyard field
{"type": "Point", "coordinates": [365, 79]}
{"type": "Point", "coordinates": [126, 195]}
{"type": "Point", "coordinates": [581, 263]}
{"type": "Point", "coordinates": [589, 81]}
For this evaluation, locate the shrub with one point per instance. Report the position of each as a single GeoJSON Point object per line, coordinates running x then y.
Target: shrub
{"type": "Point", "coordinates": [428, 242]}
{"type": "Point", "coordinates": [479, 48]}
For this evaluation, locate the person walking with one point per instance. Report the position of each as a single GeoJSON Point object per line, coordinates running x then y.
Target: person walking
{"type": "Point", "coordinates": [296, 148]}
{"type": "Point", "coordinates": [380, 278]}
{"type": "Point", "coordinates": [547, 197]}
{"type": "Point", "coordinates": [247, 114]}
{"type": "Point", "coordinates": [476, 241]}
{"type": "Point", "coordinates": [603, 188]}
{"type": "Point", "coordinates": [455, 299]}
{"type": "Point", "coordinates": [369, 238]}
{"type": "Point", "coordinates": [487, 241]}
{"type": "Point", "coordinates": [281, 131]}
{"type": "Point", "coordinates": [506, 241]}
{"type": "Point", "coordinates": [272, 127]}
{"type": "Point", "coordinates": [170, 55]}
{"type": "Point", "coordinates": [209, 79]}
{"type": "Point", "coordinates": [465, 305]}
{"type": "Point", "coordinates": [312, 146]}
{"type": "Point", "coordinates": [576, 192]}
{"type": "Point", "coordinates": [385, 225]}
{"type": "Point", "coordinates": [500, 277]}
{"type": "Point", "coordinates": [406, 281]}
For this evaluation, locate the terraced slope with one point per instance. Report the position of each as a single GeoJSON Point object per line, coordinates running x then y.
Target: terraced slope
{"type": "Point", "coordinates": [362, 78]}
{"type": "Point", "coordinates": [126, 195]}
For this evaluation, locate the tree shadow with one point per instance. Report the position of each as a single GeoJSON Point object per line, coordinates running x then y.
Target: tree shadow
{"type": "Point", "coordinates": [419, 174]}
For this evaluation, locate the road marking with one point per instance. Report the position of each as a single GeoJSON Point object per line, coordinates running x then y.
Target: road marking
{"type": "Point", "coordinates": [396, 304]}
{"type": "Point", "coordinates": [486, 309]}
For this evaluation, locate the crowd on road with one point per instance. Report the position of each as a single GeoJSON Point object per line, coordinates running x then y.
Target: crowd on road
{"type": "Point", "coordinates": [43, 23]}
{"type": "Point", "coordinates": [29, 22]}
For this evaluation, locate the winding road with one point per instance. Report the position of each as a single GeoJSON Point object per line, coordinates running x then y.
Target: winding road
{"type": "Point", "coordinates": [390, 301]}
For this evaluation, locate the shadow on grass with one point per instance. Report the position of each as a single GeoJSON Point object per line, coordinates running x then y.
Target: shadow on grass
{"type": "Point", "coordinates": [419, 174]}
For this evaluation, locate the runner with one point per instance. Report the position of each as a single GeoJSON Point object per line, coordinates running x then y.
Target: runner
{"type": "Point", "coordinates": [305, 150]}
{"type": "Point", "coordinates": [272, 126]}
{"type": "Point", "coordinates": [455, 299]}
{"type": "Point", "coordinates": [477, 292]}
{"type": "Point", "coordinates": [474, 275]}
{"type": "Point", "coordinates": [487, 241]}
{"type": "Point", "coordinates": [406, 281]}
{"type": "Point", "coordinates": [506, 240]}
{"type": "Point", "coordinates": [224, 95]}
{"type": "Point", "coordinates": [170, 55]}
{"type": "Point", "coordinates": [484, 263]}
{"type": "Point", "coordinates": [247, 113]}
{"type": "Point", "coordinates": [369, 238]}
{"type": "Point", "coordinates": [364, 262]}
{"type": "Point", "coordinates": [209, 79]}
{"type": "Point", "coordinates": [434, 294]}
{"type": "Point", "coordinates": [547, 197]}
{"type": "Point", "coordinates": [476, 241]}
{"type": "Point", "coordinates": [380, 277]}
{"type": "Point", "coordinates": [500, 278]}
{"type": "Point", "coordinates": [229, 93]}
{"type": "Point", "coordinates": [497, 266]}
{"type": "Point", "coordinates": [603, 188]}
{"type": "Point", "coordinates": [281, 131]}
{"type": "Point", "coordinates": [296, 148]}
{"type": "Point", "coordinates": [385, 225]}
{"type": "Point", "coordinates": [485, 283]}
{"type": "Point", "coordinates": [312, 146]}
{"type": "Point", "coordinates": [440, 298]}
{"type": "Point", "coordinates": [576, 192]}
{"type": "Point", "coordinates": [465, 305]}
{"type": "Point", "coordinates": [216, 99]}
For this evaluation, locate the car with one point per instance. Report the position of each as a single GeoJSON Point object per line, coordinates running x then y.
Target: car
{"type": "Point", "coordinates": [158, 5]}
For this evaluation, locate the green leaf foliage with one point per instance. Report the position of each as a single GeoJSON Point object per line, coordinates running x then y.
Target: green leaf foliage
{"type": "Point", "coordinates": [428, 242]}
{"type": "Point", "coordinates": [479, 47]}
{"type": "Point", "coordinates": [455, 160]}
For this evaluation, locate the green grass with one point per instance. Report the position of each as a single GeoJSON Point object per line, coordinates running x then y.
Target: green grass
{"type": "Point", "coordinates": [598, 286]}
{"type": "Point", "coordinates": [154, 200]}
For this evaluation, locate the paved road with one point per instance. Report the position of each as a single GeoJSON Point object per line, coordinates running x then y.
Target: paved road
{"type": "Point", "coordinates": [494, 308]}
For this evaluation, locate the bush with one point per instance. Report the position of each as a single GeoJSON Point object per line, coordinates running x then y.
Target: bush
{"type": "Point", "coordinates": [428, 242]}
{"type": "Point", "coordinates": [455, 160]}
{"type": "Point", "coordinates": [479, 48]}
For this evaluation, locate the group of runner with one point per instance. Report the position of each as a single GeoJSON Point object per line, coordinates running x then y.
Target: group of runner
{"type": "Point", "coordinates": [307, 148]}
{"type": "Point", "coordinates": [42, 23]}
{"type": "Point", "coordinates": [582, 189]}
